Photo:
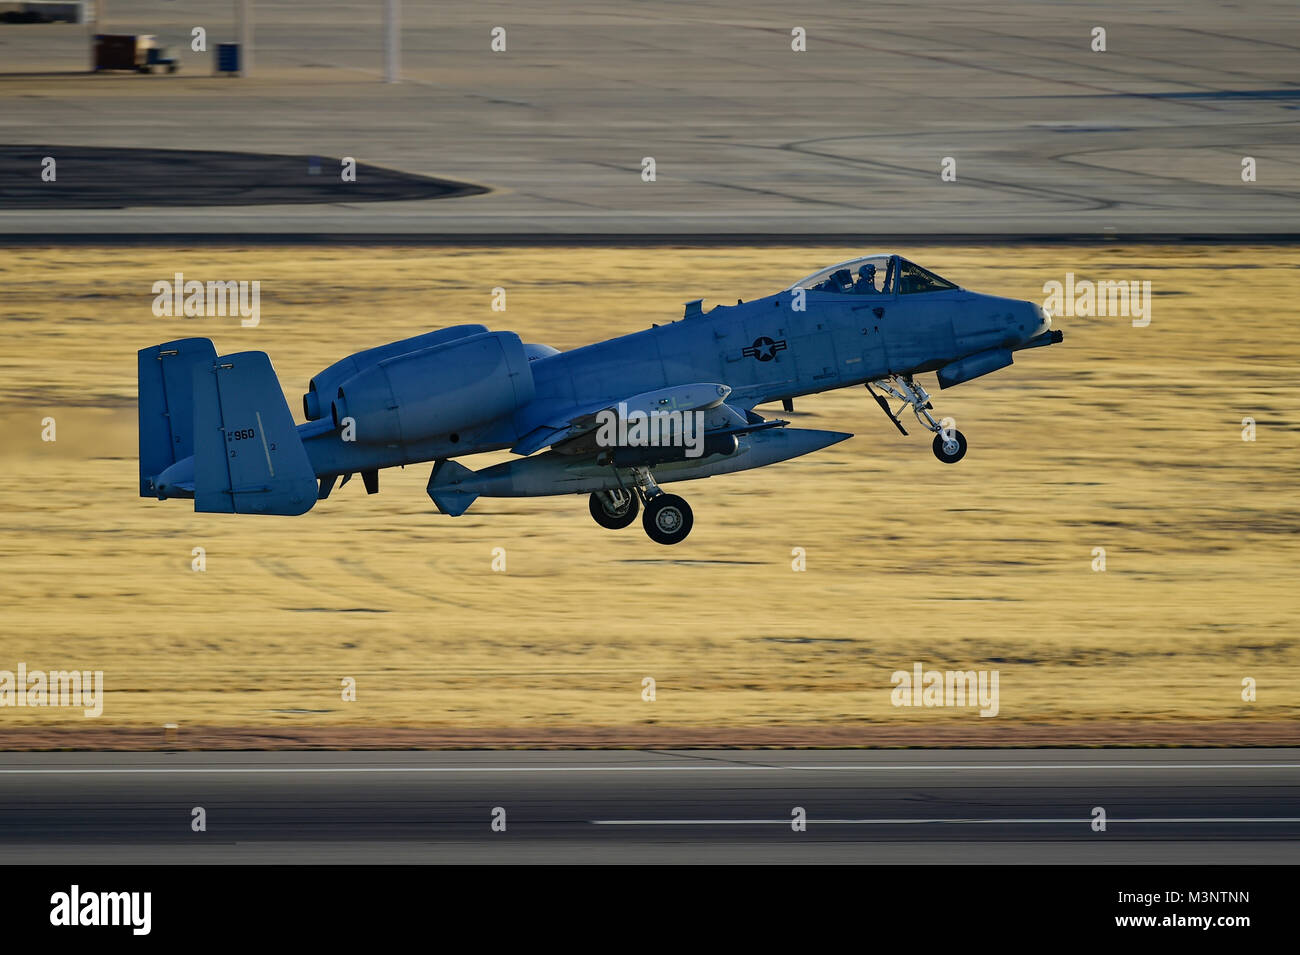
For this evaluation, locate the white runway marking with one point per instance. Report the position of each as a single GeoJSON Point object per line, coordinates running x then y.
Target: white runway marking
{"type": "Point", "coordinates": [914, 822]}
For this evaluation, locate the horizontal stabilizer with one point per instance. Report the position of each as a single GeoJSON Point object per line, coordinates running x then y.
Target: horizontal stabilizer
{"type": "Point", "coordinates": [248, 458]}
{"type": "Point", "coordinates": [445, 491]}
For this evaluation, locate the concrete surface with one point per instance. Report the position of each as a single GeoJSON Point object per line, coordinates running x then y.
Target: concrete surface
{"type": "Point", "coordinates": [748, 136]}
{"type": "Point", "coordinates": [1186, 806]}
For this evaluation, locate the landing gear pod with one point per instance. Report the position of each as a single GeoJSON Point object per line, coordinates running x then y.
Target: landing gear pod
{"type": "Point", "coordinates": [974, 366]}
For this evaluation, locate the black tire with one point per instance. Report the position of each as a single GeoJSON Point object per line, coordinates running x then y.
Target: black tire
{"type": "Point", "coordinates": [667, 519]}
{"type": "Point", "coordinates": [947, 455]}
{"type": "Point", "coordinates": [613, 519]}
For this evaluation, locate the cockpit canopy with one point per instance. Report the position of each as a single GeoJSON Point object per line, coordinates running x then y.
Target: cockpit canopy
{"type": "Point", "coordinates": [874, 275]}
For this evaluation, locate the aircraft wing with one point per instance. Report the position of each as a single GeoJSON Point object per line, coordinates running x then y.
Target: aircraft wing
{"type": "Point", "coordinates": [573, 431]}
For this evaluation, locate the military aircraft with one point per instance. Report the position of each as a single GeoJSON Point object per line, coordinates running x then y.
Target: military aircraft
{"type": "Point", "coordinates": [613, 420]}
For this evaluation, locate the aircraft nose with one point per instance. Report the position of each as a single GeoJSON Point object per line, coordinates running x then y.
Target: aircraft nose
{"type": "Point", "coordinates": [1030, 321]}
{"type": "Point", "coordinates": [1045, 320]}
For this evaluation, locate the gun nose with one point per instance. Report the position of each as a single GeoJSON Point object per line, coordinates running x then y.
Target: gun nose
{"type": "Point", "coordinates": [1045, 320]}
{"type": "Point", "coordinates": [1031, 321]}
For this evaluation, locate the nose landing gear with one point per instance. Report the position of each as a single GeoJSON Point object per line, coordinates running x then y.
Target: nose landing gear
{"type": "Point", "coordinates": [949, 443]}
{"type": "Point", "coordinates": [950, 446]}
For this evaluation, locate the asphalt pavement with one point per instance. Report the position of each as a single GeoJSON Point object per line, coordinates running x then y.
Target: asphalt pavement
{"type": "Point", "coordinates": [905, 806]}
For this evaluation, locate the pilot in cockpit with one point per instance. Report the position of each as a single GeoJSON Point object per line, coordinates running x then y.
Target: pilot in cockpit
{"type": "Point", "coordinates": [866, 283]}
{"type": "Point", "coordinates": [841, 280]}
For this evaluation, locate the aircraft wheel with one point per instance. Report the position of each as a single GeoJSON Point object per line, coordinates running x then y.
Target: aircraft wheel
{"type": "Point", "coordinates": [952, 450]}
{"type": "Point", "coordinates": [667, 519]}
{"type": "Point", "coordinates": [612, 517]}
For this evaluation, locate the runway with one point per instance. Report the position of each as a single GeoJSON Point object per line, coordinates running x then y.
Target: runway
{"type": "Point", "coordinates": [749, 135]}
{"type": "Point", "coordinates": [882, 807]}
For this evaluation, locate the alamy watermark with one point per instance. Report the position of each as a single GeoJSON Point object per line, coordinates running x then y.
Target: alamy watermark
{"type": "Point", "coordinates": [76, 907]}
{"type": "Point", "coordinates": [1085, 298]}
{"type": "Point", "coordinates": [55, 688]}
{"type": "Point", "coordinates": [655, 429]}
{"type": "Point", "coordinates": [191, 298]}
{"type": "Point", "coordinates": [921, 687]}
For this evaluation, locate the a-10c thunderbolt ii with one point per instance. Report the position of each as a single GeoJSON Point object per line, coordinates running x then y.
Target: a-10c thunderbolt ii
{"type": "Point", "coordinates": [613, 420]}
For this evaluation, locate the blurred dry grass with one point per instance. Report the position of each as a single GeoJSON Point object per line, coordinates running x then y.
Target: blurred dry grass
{"type": "Point", "coordinates": [1122, 438]}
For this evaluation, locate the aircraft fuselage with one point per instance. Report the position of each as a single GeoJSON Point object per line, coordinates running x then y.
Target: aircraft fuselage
{"type": "Point", "coordinates": [764, 350]}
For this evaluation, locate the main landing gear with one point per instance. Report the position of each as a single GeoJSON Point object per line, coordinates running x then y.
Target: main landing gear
{"type": "Point", "coordinates": [667, 518]}
{"type": "Point", "coordinates": [614, 509]}
{"type": "Point", "coordinates": [949, 443]}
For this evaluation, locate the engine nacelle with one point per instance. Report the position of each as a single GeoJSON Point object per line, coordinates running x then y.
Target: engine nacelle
{"type": "Point", "coordinates": [323, 388]}
{"type": "Point", "coordinates": [437, 391]}
{"type": "Point", "coordinates": [972, 366]}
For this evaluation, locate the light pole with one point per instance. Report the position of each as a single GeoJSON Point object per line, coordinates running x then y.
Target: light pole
{"type": "Point", "coordinates": [94, 23]}
{"type": "Point", "coordinates": [392, 41]}
{"type": "Point", "coordinates": [244, 19]}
